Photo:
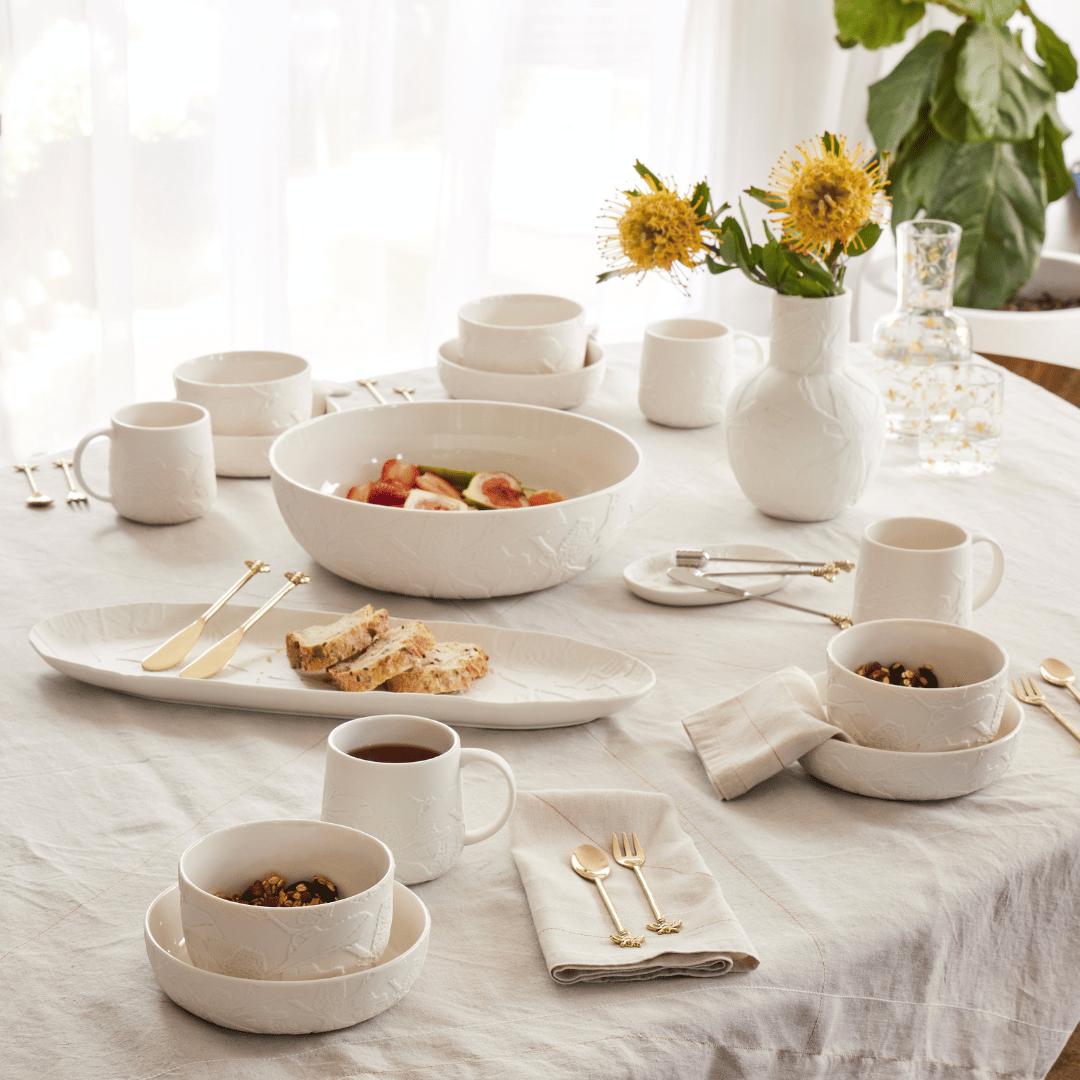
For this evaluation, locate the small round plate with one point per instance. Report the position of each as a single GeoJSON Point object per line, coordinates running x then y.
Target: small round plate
{"type": "Point", "coordinates": [915, 776]}
{"type": "Point", "coordinates": [648, 577]}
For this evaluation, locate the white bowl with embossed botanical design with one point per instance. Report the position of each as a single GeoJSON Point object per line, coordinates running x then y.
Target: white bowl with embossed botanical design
{"type": "Point", "coordinates": [287, 1007]}
{"type": "Point", "coordinates": [963, 710]}
{"type": "Point", "coordinates": [286, 943]}
{"type": "Point", "coordinates": [470, 554]}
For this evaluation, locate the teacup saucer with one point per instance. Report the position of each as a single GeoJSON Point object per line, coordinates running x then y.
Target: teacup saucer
{"type": "Point", "coordinates": [648, 577]}
{"type": "Point", "coordinates": [243, 455]}
{"type": "Point", "coordinates": [914, 776]}
{"type": "Point", "coordinates": [287, 1007]}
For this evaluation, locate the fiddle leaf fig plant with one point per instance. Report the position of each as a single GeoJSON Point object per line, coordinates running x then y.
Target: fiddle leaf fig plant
{"type": "Point", "coordinates": [970, 123]}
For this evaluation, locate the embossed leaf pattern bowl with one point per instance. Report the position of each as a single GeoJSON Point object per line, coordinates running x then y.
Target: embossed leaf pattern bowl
{"type": "Point", "coordinates": [456, 555]}
{"type": "Point", "coordinates": [287, 1007]}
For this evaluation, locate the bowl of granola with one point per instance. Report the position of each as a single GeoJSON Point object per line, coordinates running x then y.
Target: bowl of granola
{"type": "Point", "coordinates": [455, 499]}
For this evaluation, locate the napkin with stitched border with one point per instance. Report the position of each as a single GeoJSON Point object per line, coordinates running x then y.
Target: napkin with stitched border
{"type": "Point", "coordinates": [758, 732]}
{"type": "Point", "coordinates": [571, 921]}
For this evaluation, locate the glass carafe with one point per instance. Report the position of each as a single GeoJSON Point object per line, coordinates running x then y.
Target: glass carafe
{"type": "Point", "coordinates": [924, 329]}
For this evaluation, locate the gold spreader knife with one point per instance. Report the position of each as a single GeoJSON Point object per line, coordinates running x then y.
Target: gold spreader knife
{"type": "Point", "coordinates": [591, 863]}
{"type": "Point", "coordinates": [217, 656]}
{"type": "Point", "coordinates": [183, 641]}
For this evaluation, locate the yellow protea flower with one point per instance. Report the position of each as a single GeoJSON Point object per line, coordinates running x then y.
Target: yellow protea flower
{"type": "Point", "coordinates": [826, 197]}
{"type": "Point", "coordinates": [657, 229]}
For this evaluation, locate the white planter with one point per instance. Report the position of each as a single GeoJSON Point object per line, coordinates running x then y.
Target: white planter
{"type": "Point", "coordinates": [805, 433]}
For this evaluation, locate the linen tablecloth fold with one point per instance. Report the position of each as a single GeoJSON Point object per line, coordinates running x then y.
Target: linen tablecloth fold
{"type": "Point", "coordinates": [755, 734]}
{"type": "Point", "coordinates": [571, 921]}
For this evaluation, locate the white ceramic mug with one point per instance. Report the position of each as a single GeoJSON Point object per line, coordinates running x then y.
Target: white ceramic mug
{"type": "Point", "coordinates": [414, 806]}
{"type": "Point", "coordinates": [248, 393]}
{"type": "Point", "coordinates": [522, 334]}
{"type": "Point", "coordinates": [161, 462]}
{"type": "Point", "coordinates": [920, 568]}
{"type": "Point", "coordinates": [687, 369]}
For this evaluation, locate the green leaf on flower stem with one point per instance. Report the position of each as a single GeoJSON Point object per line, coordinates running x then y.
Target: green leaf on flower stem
{"type": "Point", "coordinates": [773, 202]}
{"type": "Point", "coordinates": [647, 174]}
{"type": "Point", "coordinates": [1006, 93]}
{"type": "Point", "coordinates": [896, 100]}
{"type": "Point", "coordinates": [864, 239]}
{"type": "Point", "coordinates": [1052, 134]}
{"type": "Point", "coordinates": [949, 113]}
{"type": "Point", "coordinates": [830, 142]}
{"type": "Point", "coordinates": [718, 268]}
{"type": "Point", "coordinates": [700, 200]}
{"type": "Point", "coordinates": [993, 11]}
{"type": "Point", "coordinates": [874, 23]}
{"type": "Point", "coordinates": [794, 275]}
{"type": "Point", "coordinates": [1053, 52]}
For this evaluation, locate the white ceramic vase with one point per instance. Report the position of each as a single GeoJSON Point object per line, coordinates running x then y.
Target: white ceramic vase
{"type": "Point", "coordinates": [805, 433]}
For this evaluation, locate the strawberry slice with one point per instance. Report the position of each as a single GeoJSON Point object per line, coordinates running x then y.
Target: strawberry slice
{"type": "Point", "coordinates": [388, 493]}
{"type": "Point", "coordinates": [359, 493]}
{"type": "Point", "coordinates": [401, 472]}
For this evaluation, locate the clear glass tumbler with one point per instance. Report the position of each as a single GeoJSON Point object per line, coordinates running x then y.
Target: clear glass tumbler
{"type": "Point", "coordinates": [923, 330]}
{"type": "Point", "coordinates": [960, 426]}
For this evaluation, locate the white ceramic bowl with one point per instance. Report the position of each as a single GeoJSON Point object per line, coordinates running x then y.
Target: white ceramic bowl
{"type": "Point", "coordinates": [914, 776]}
{"type": "Point", "coordinates": [287, 1007]}
{"type": "Point", "coordinates": [963, 711]}
{"type": "Point", "coordinates": [522, 334]}
{"type": "Point", "coordinates": [456, 555]}
{"type": "Point", "coordinates": [560, 390]}
{"type": "Point", "coordinates": [243, 455]}
{"type": "Point", "coordinates": [291, 943]}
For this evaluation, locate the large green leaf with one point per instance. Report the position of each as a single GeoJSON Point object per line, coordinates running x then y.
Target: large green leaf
{"type": "Point", "coordinates": [949, 113]}
{"type": "Point", "coordinates": [915, 178]}
{"type": "Point", "coordinates": [1006, 93]}
{"type": "Point", "coordinates": [996, 193]}
{"type": "Point", "coordinates": [1054, 53]}
{"type": "Point", "coordinates": [896, 100]}
{"type": "Point", "coordinates": [997, 11]}
{"type": "Point", "coordinates": [874, 23]}
{"type": "Point", "coordinates": [1052, 133]}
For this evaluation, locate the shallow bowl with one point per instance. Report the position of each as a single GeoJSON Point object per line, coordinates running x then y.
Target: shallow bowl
{"type": "Point", "coordinates": [560, 390]}
{"type": "Point", "coordinates": [456, 555]}
{"type": "Point", "coordinates": [287, 1007]}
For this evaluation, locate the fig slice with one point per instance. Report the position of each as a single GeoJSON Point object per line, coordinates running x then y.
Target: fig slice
{"type": "Point", "coordinates": [494, 491]}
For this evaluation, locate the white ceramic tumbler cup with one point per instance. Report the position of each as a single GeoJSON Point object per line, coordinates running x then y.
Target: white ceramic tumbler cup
{"type": "Point", "coordinates": [161, 462]}
{"type": "Point", "coordinates": [687, 370]}
{"type": "Point", "coordinates": [413, 806]}
{"type": "Point", "coordinates": [921, 568]}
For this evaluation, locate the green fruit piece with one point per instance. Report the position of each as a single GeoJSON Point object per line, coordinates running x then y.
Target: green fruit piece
{"type": "Point", "coordinates": [458, 477]}
{"type": "Point", "coordinates": [494, 491]}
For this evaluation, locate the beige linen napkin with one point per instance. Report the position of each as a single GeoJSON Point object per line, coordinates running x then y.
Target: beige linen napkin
{"type": "Point", "coordinates": [755, 734]}
{"type": "Point", "coordinates": [571, 921]}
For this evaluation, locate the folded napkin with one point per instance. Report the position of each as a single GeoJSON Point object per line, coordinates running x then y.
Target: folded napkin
{"type": "Point", "coordinates": [571, 921]}
{"type": "Point", "coordinates": [755, 734]}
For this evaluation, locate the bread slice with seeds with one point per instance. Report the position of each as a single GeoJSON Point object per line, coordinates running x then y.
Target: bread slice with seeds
{"type": "Point", "coordinates": [397, 652]}
{"type": "Point", "coordinates": [449, 668]}
{"type": "Point", "coordinates": [318, 647]}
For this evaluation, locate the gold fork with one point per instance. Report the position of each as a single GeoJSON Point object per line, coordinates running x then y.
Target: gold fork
{"type": "Point", "coordinates": [635, 862]}
{"type": "Point", "coordinates": [74, 494]}
{"type": "Point", "coordinates": [1029, 693]}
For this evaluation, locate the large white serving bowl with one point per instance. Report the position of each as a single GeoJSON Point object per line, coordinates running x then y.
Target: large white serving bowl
{"type": "Point", "coordinates": [287, 1007]}
{"type": "Point", "coordinates": [446, 554]}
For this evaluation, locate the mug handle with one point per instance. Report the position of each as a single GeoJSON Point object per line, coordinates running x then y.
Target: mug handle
{"type": "Point", "coordinates": [996, 569]}
{"type": "Point", "coordinates": [77, 462]}
{"type": "Point", "coordinates": [736, 334]}
{"type": "Point", "coordinates": [470, 754]}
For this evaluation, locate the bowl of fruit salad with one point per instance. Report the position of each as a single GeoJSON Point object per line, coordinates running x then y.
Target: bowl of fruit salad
{"type": "Point", "coordinates": [455, 499]}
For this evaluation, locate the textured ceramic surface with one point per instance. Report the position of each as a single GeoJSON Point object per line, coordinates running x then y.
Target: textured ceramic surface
{"type": "Point", "coordinates": [314, 942]}
{"type": "Point", "coordinates": [559, 390]}
{"type": "Point", "coordinates": [648, 577]}
{"type": "Point", "coordinates": [287, 1007]}
{"type": "Point", "coordinates": [805, 434]}
{"type": "Point", "coordinates": [243, 455]}
{"type": "Point", "coordinates": [465, 555]}
{"type": "Point", "coordinates": [248, 393]}
{"type": "Point", "coordinates": [414, 806]}
{"type": "Point", "coordinates": [893, 774]}
{"type": "Point", "coordinates": [921, 568]}
{"type": "Point", "coordinates": [687, 370]}
{"type": "Point", "coordinates": [522, 334]}
{"type": "Point", "coordinates": [949, 717]}
{"type": "Point", "coordinates": [161, 462]}
{"type": "Point", "coordinates": [535, 680]}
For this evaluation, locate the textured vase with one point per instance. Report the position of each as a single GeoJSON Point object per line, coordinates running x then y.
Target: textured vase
{"type": "Point", "coordinates": [805, 433]}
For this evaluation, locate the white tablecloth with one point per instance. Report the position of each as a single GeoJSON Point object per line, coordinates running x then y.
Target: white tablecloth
{"type": "Point", "coordinates": [896, 940]}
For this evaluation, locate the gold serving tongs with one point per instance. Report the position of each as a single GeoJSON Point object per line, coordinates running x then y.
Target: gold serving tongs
{"type": "Point", "coordinates": [181, 643]}
{"type": "Point", "coordinates": [217, 656]}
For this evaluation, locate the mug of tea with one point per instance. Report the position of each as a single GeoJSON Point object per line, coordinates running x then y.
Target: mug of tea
{"type": "Point", "coordinates": [161, 462]}
{"type": "Point", "coordinates": [921, 568]}
{"type": "Point", "coordinates": [399, 778]}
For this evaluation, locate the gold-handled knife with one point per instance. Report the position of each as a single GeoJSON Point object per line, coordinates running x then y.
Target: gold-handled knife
{"type": "Point", "coordinates": [217, 656]}
{"type": "Point", "coordinates": [183, 641]}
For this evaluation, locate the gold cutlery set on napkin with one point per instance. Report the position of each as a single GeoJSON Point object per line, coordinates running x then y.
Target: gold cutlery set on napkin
{"type": "Point", "coordinates": [1057, 674]}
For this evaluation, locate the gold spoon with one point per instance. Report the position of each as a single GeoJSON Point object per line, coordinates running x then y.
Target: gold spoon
{"type": "Point", "coordinates": [37, 499]}
{"type": "Point", "coordinates": [1058, 674]}
{"type": "Point", "coordinates": [591, 863]}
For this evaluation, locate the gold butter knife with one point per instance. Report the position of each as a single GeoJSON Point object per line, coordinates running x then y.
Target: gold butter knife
{"type": "Point", "coordinates": [217, 656]}
{"type": "Point", "coordinates": [183, 641]}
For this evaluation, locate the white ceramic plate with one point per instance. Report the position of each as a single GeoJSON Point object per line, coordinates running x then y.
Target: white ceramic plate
{"type": "Point", "coordinates": [287, 1007]}
{"type": "Point", "coordinates": [535, 680]}
{"type": "Point", "coordinates": [912, 776]}
{"type": "Point", "coordinates": [648, 577]}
